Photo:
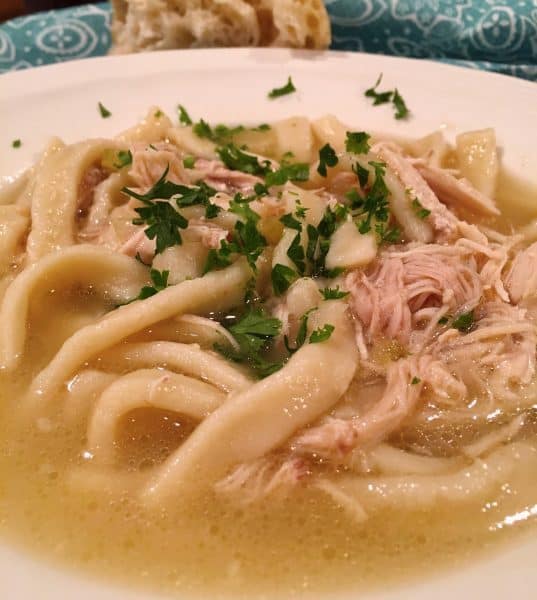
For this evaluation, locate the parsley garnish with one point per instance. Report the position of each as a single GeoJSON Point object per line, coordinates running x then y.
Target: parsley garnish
{"type": "Point", "coordinates": [319, 240]}
{"type": "Point", "coordinates": [288, 88]}
{"type": "Point", "coordinates": [387, 235]}
{"type": "Point", "coordinates": [160, 282]}
{"type": "Point", "coordinates": [415, 381]}
{"type": "Point", "coordinates": [162, 220]}
{"type": "Point", "coordinates": [327, 157]}
{"type": "Point", "coordinates": [357, 142]}
{"type": "Point", "coordinates": [189, 162]}
{"type": "Point", "coordinates": [254, 333]}
{"type": "Point", "coordinates": [362, 173]}
{"type": "Point", "coordinates": [301, 333]}
{"type": "Point", "coordinates": [375, 206]}
{"type": "Point", "coordinates": [443, 320]}
{"type": "Point", "coordinates": [289, 221]}
{"type": "Point", "coordinates": [282, 277]}
{"type": "Point", "coordinates": [333, 293]}
{"type": "Point", "coordinates": [296, 253]}
{"type": "Point", "coordinates": [220, 134]}
{"type": "Point", "coordinates": [288, 172]}
{"type": "Point", "coordinates": [262, 127]}
{"type": "Point", "coordinates": [245, 239]}
{"type": "Point", "coordinates": [422, 213]}
{"type": "Point", "coordinates": [16, 143]}
{"type": "Point", "coordinates": [123, 158]}
{"type": "Point", "coordinates": [393, 96]}
{"type": "Point", "coordinates": [321, 334]}
{"type": "Point", "coordinates": [401, 110]}
{"type": "Point", "coordinates": [237, 160]}
{"type": "Point", "coordinates": [105, 113]}
{"type": "Point", "coordinates": [464, 322]}
{"type": "Point", "coordinates": [158, 114]}
{"type": "Point", "coordinates": [184, 117]}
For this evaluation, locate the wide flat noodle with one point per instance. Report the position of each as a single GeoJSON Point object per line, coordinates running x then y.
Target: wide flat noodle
{"type": "Point", "coordinates": [260, 419]}
{"type": "Point", "coordinates": [215, 291]}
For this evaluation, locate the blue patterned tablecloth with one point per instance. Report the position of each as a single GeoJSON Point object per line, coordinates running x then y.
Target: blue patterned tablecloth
{"type": "Point", "coordinates": [498, 35]}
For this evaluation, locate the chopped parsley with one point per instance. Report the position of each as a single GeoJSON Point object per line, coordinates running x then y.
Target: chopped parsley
{"type": "Point", "coordinates": [237, 160]}
{"type": "Point", "coordinates": [393, 96]}
{"type": "Point", "coordinates": [203, 130]}
{"type": "Point", "coordinates": [333, 293]}
{"type": "Point", "coordinates": [297, 255]}
{"type": "Point", "coordinates": [262, 127]}
{"type": "Point", "coordinates": [162, 220]}
{"type": "Point", "coordinates": [123, 158]}
{"type": "Point", "coordinates": [244, 240]}
{"type": "Point", "coordinates": [189, 162]}
{"type": "Point", "coordinates": [288, 172]}
{"type": "Point", "coordinates": [464, 322]}
{"type": "Point", "coordinates": [387, 235]}
{"type": "Point", "coordinates": [321, 334]}
{"type": "Point", "coordinates": [184, 117]}
{"type": "Point", "coordinates": [301, 333]}
{"type": "Point", "coordinates": [105, 113]}
{"type": "Point", "coordinates": [415, 381]}
{"type": "Point", "coordinates": [401, 110]}
{"type": "Point", "coordinates": [288, 88]}
{"type": "Point", "coordinates": [375, 206]}
{"type": "Point", "coordinates": [327, 158]}
{"type": "Point", "coordinates": [16, 143]}
{"type": "Point", "coordinates": [443, 320]}
{"type": "Point", "coordinates": [254, 333]}
{"type": "Point", "coordinates": [282, 277]}
{"type": "Point", "coordinates": [160, 282]}
{"type": "Point", "coordinates": [422, 213]}
{"type": "Point", "coordinates": [158, 114]}
{"type": "Point", "coordinates": [290, 221]}
{"type": "Point", "coordinates": [357, 142]}
{"type": "Point", "coordinates": [362, 173]}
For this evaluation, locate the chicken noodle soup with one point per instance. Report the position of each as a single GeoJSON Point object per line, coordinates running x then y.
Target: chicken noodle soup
{"type": "Point", "coordinates": [271, 358]}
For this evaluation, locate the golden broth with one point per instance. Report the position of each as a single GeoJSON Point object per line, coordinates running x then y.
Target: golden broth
{"type": "Point", "coordinates": [210, 547]}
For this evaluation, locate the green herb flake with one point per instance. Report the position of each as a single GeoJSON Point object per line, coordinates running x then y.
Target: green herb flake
{"type": "Point", "coordinates": [16, 143]}
{"type": "Point", "coordinates": [327, 158]}
{"type": "Point", "coordinates": [189, 162]}
{"type": "Point", "coordinates": [289, 221]}
{"type": "Point", "coordinates": [162, 220]}
{"type": "Point", "coordinates": [262, 127]}
{"type": "Point", "coordinates": [288, 88]}
{"type": "Point", "coordinates": [333, 293]}
{"type": "Point", "coordinates": [464, 322]}
{"type": "Point", "coordinates": [443, 320]}
{"type": "Point", "coordinates": [123, 159]}
{"type": "Point", "coordinates": [184, 117]}
{"type": "Point", "coordinates": [357, 142]}
{"type": "Point", "coordinates": [401, 110]}
{"type": "Point", "coordinates": [203, 130]}
{"type": "Point", "coordinates": [362, 173]}
{"type": "Point", "coordinates": [421, 213]}
{"type": "Point", "coordinates": [237, 160]}
{"type": "Point", "coordinates": [282, 277]}
{"type": "Point", "coordinates": [254, 333]}
{"type": "Point", "coordinates": [393, 96]}
{"type": "Point", "coordinates": [321, 334]}
{"type": "Point", "coordinates": [105, 113]}
{"type": "Point", "coordinates": [158, 114]}
{"type": "Point", "coordinates": [288, 172]}
{"type": "Point", "coordinates": [160, 282]}
{"type": "Point", "coordinates": [415, 381]}
{"type": "Point", "coordinates": [301, 333]}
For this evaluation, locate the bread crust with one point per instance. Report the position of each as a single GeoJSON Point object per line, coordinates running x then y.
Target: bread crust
{"type": "Point", "coordinates": [140, 25]}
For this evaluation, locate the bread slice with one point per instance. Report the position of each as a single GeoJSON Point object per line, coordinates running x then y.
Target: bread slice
{"type": "Point", "coordinates": [140, 25]}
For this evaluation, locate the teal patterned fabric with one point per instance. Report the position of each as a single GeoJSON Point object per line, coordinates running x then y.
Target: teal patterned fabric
{"type": "Point", "coordinates": [497, 35]}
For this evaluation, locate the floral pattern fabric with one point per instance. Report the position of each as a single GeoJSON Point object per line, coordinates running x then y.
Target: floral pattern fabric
{"type": "Point", "coordinates": [497, 35]}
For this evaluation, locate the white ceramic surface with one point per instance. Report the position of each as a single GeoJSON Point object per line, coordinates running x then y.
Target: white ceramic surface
{"type": "Point", "coordinates": [232, 86]}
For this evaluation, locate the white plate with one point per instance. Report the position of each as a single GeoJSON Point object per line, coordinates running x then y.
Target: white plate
{"type": "Point", "coordinates": [232, 86]}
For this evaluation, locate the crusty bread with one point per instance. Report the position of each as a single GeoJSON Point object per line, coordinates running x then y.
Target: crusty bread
{"type": "Point", "coordinates": [140, 25]}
